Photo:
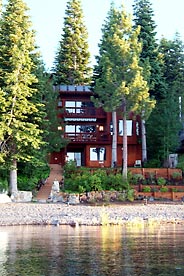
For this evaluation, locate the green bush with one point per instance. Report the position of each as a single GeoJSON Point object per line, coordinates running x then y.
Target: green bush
{"type": "Point", "coordinates": [130, 194]}
{"type": "Point", "coordinates": [3, 185]}
{"type": "Point", "coordinates": [176, 175]}
{"type": "Point", "coordinates": [153, 163]}
{"type": "Point", "coordinates": [164, 189]}
{"type": "Point", "coordinates": [25, 183]}
{"type": "Point", "coordinates": [146, 189]}
{"type": "Point", "coordinates": [70, 168]}
{"type": "Point", "coordinates": [180, 164]}
{"type": "Point", "coordinates": [136, 178]}
{"type": "Point", "coordinates": [161, 181]}
{"type": "Point", "coordinates": [95, 183]}
{"type": "Point", "coordinates": [82, 180]}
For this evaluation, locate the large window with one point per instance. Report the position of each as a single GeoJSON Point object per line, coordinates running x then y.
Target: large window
{"type": "Point", "coordinates": [80, 128]}
{"type": "Point", "coordinates": [75, 156]}
{"type": "Point", "coordinates": [70, 106]}
{"type": "Point", "coordinates": [129, 127]}
{"type": "Point", "coordinates": [98, 154]}
{"type": "Point", "coordinates": [77, 106]}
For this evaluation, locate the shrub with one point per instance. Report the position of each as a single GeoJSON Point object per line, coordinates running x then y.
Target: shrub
{"type": "Point", "coordinates": [82, 180]}
{"type": "Point", "coordinates": [3, 185]}
{"type": "Point", "coordinates": [27, 183]}
{"type": "Point", "coordinates": [164, 189]}
{"type": "Point", "coordinates": [69, 168]}
{"type": "Point", "coordinates": [95, 183]}
{"type": "Point", "coordinates": [146, 189]}
{"type": "Point", "coordinates": [176, 175]}
{"type": "Point", "coordinates": [153, 163]}
{"type": "Point", "coordinates": [136, 178]}
{"type": "Point", "coordinates": [130, 194]}
{"type": "Point", "coordinates": [161, 181]}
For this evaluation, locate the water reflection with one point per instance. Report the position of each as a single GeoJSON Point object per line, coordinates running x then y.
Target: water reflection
{"type": "Point", "coordinates": [127, 251]}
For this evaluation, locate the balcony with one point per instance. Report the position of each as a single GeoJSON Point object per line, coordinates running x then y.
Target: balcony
{"type": "Point", "coordinates": [86, 137]}
{"type": "Point", "coordinates": [76, 112]}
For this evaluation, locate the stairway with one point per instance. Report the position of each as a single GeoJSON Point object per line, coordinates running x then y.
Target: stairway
{"type": "Point", "coordinates": [55, 174]}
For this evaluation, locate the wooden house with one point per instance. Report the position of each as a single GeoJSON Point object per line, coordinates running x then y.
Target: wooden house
{"type": "Point", "coordinates": [89, 131]}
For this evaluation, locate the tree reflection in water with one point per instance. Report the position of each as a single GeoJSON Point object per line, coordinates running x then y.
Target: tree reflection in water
{"type": "Point", "coordinates": [92, 251]}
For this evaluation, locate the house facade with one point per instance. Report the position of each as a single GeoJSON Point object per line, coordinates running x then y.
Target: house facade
{"type": "Point", "coordinates": [89, 131]}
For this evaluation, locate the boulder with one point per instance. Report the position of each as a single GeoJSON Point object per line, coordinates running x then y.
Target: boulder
{"type": "Point", "coordinates": [4, 198]}
{"type": "Point", "coordinates": [73, 199]}
{"type": "Point", "coordinates": [22, 196]}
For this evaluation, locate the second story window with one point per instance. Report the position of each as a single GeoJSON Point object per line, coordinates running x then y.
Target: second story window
{"type": "Point", "coordinates": [80, 107]}
{"type": "Point", "coordinates": [129, 127]}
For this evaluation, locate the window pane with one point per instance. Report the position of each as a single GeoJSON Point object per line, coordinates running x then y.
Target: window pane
{"type": "Point", "coordinates": [97, 154]}
{"type": "Point", "coordinates": [70, 128]}
{"type": "Point", "coordinates": [129, 127]}
{"type": "Point", "coordinates": [70, 104]}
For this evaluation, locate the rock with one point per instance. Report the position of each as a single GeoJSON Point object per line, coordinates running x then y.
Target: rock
{"type": "Point", "coordinates": [73, 199]}
{"type": "Point", "coordinates": [4, 198]}
{"type": "Point", "coordinates": [55, 186]}
{"type": "Point", "coordinates": [21, 196]}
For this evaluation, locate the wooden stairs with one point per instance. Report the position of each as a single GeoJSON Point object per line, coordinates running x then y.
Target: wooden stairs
{"type": "Point", "coordinates": [55, 174]}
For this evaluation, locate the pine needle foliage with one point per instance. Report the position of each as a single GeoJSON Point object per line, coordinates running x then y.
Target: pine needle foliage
{"type": "Point", "coordinates": [73, 57]}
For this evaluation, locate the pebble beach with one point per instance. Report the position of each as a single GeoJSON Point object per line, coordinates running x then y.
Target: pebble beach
{"type": "Point", "coordinates": [115, 214]}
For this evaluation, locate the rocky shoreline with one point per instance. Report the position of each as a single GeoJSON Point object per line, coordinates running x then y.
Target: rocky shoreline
{"type": "Point", "coordinates": [113, 214]}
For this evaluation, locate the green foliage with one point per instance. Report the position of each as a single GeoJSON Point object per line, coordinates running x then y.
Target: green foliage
{"type": "Point", "coordinates": [163, 137]}
{"type": "Point", "coordinates": [146, 189]}
{"type": "Point", "coordinates": [161, 181]}
{"type": "Point", "coordinates": [70, 168]}
{"type": "Point", "coordinates": [20, 110]}
{"type": "Point", "coordinates": [164, 189]}
{"type": "Point", "coordinates": [153, 163]}
{"type": "Point", "coordinates": [130, 194]}
{"type": "Point", "coordinates": [136, 178]}
{"type": "Point", "coordinates": [3, 185]}
{"type": "Point", "coordinates": [27, 184]}
{"type": "Point", "coordinates": [118, 81]}
{"type": "Point", "coordinates": [72, 60]}
{"type": "Point", "coordinates": [30, 173]}
{"type": "Point", "coordinates": [52, 136]}
{"type": "Point", "coordinates": [149, 57]}
{"type": "Point", "coordinates": [180, 164]}
{"type": "Point", "coordinates": [176, 175]}
{"type": "Point", "coordinates": [83, 180]}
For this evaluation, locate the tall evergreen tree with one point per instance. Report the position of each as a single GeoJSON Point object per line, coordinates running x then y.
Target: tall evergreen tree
{"type": "Point", "coordinates": [149, 57]}
{"type": "Point", "coordinates": [72, 59]}
{"type": "Point", "coordinates": [19, 114]}
{"type": "Point", "coordinates": [168, 110]}
{"type": "Point", "coordinates": [119, 83]}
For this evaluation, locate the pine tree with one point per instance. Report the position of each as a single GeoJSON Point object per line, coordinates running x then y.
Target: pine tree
{"type": "Point", "coordinates": [149, 57]}
{"type": "Point", "coordinates": [119, 83]}
{"type": "Point", "coordinates": [168, 111]}
{"type": "Point", "coordinates": [19, 114]}
{"type": "Point", "coordinates": [72, 59]}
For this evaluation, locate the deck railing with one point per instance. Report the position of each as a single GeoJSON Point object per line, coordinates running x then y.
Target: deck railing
{"type": "Point", "coordinates": [83, 112]}
{"type": "Point", "coordinates": [88, 137]}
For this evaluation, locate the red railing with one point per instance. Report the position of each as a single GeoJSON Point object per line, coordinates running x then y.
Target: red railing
{"type": "Point", "coordinates": [88, 137]}
{"type": "Point", "coordinates": [84, 112]}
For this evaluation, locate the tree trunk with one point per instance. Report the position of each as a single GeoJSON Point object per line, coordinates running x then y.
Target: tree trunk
{"type": "Point", "coordinates": [125, 147]}
{"type": "Point", "coordinates": [114, 140]}
{"type": "Point", "coordinates": [144, 147]}
{"type": "Point", "coordinates": [13, 177]}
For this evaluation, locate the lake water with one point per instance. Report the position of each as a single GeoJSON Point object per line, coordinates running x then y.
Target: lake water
{"type": "Point", "coordinates": [93, 251]}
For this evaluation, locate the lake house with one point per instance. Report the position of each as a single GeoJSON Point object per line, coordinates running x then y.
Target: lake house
{"type": "Point", "coordinates": [89, 131]}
